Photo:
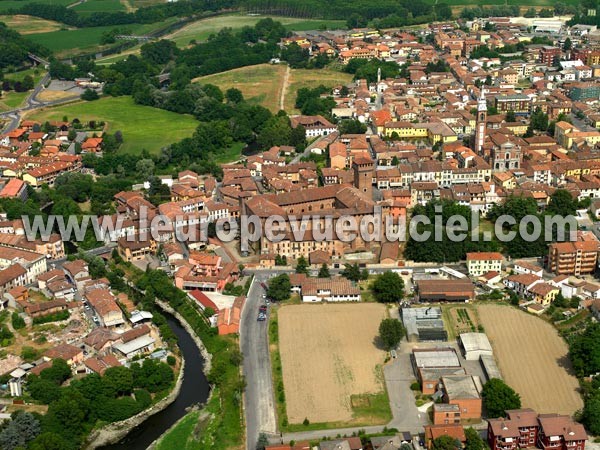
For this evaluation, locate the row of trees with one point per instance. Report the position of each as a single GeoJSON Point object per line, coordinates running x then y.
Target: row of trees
{"type": "Point", "coordinates": [73, 410]}
{"type": "Point", "coordinates": [14, 48]}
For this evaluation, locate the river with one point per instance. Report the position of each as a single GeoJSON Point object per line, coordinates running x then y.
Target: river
{"type": "Point", "coordinates": [194, 389]}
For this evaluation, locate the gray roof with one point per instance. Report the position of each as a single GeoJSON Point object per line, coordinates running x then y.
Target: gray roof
{"type": "Point", "coordinates": [443, 357]}
{"type": "Point", "coordinates": [462, 387]}
{"type": "Point", "coordinates": [475, 342]}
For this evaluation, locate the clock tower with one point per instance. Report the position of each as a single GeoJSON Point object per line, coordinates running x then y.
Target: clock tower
{"type": "Point", "coordinates": [481, 120]}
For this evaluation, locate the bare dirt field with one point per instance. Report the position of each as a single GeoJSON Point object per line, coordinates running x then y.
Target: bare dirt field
{"type": "Point", "coordinates": [532, 358]}
{"type": "Point", "coordinates": [328, 355]}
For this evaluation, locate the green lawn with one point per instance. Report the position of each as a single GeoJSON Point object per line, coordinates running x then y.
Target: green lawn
{"type": "Point", "coordinates": [202, 29]}
{"type": "Point", "coordinates": [177, 438]}
{"type": "Point", "coordinates": [92, 6]}
{"type": "Point", "coordinates": [143, 127]}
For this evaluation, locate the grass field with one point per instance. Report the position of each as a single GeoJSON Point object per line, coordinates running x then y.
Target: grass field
{"type": "Point", "coordinates": [16, 4]}
{"type": "Point", "coordinates": [331, 372]}
{"type": "Point", "coordinates": [532, 358]}
{"type": "Point", "coordinates": [202, 29]}
{"type": "Point", "coordinates": [68, 42]}
{"type": "Point", "coordinates": [30, 25]}
{"type": "Point", "coordinates": [92, 6]}
{"type": "Point", "coordinates": [143, 127]}
{"type": "Point", "coordinates": [260, 84]}
{"type": "Point", "coordinates": [263, 83]}
{"type": "Point", "coordinates": [311, 78]}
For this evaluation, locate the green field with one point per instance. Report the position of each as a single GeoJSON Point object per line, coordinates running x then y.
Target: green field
{"type": "Point", "coordinates": [86, 39]}
{"type": "Point", "coordinates": [16, 4]}
{"type": "Point", "coordinates": [202, 29]}
{"type": "Point", "coordinates": [143, 127]}
{"type": "Point", "coordinates": [92, 6]}
{"type": "Point", "coordinates": [30, 25]}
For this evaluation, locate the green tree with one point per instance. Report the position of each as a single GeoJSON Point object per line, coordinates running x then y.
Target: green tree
{"type": "Point", "coordinates": [560, 301]}
{"type": "Point", "coordinates": [391, 333]}
{"type": "Point", "coordinates": [17, 321]}
{"type": "Point", "coordinates": [388, 287]}
{"type": "Point", "coordinates": [89, 95]}
{"type": "Point", "coordinates": [567, 44]}
{"type": "Point", "coordinates": [324, 271]}
{"type": "Point", "coordinates": [590, 416]}
{"type": "Point", "coordinates": [474, 441]}
{"type": "Point", "coordinates": [120, 378]}
{"type": "Point", "coordinates": [352, 272]}
{"type": "Point", "coordinates": [302, 265]}
{"type": "Point", "coordinates": [23, 428]}
{"type": "Point", "coordinates": [510, 116]}
{"type": "Point", "coordinates": [279, 287]}
{"type": "Point", "coordinates": [446, 443]}
{"type": "Point", "coordinates": [498, 397]}
{"type": "Point", "coordinates": [234, 95]}
{"type": "Point", "coordinates": [562, 203]}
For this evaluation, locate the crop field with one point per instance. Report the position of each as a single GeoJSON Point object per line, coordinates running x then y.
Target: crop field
{"type": "Point", "coordinates": [31, 25]}
{"type": "Point", "coordinates": [329, 369]}
{"type": "Point", "coordinates": [532, 358]}
{"type": "Point", "coordinates": [459, 319]}
{"type": "Point", "coordinates": [202, 29]}
{"type": "Point", "coordinates": [143, 127]}
{"type": "Point", "coordinates": [93, 6]}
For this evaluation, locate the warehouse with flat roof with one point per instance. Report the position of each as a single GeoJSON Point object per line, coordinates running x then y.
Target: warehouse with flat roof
{"type": "Point", "coordinates": [474, 345]}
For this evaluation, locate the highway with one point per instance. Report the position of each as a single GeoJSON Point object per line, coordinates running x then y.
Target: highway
{"type": "Point", "coordinates": [259, 398]}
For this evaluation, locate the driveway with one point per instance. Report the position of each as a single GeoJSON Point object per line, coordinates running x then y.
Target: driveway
{"type": "Point", "coordinates": [398, 376]}
{"type": "Point", "coordinates": [259, 400]}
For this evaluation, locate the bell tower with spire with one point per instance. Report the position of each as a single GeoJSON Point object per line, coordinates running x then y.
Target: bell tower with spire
{"type": "Point", "coordinates": [481, 120]}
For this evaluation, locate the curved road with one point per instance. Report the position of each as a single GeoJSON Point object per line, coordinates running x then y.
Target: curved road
{"type": "Point", "coordinates": [31, 103]}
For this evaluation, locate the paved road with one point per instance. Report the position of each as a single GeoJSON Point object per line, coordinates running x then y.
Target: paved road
{"type": "Point", "coordinates": [259, 402]}
{"type": "Point", "coordinates": [31, 103]}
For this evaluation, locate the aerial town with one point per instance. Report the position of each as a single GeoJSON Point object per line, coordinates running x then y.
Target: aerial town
{"type": "Point", "coordinates": [261, 227]}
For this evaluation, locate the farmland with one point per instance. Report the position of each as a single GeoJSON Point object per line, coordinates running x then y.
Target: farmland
{"type": "Point", "coordinates": [143, 127]}
{"type": "Point", "coordinates": [311, 78]}
{"type": "Point", "coordinates": [260, 84]}
{"type": "Point", "coordinates": [532, 358]}
{"type": "Point", "coordinates": [15, 4]}
{"type": "Point", "coordinates": [263, 83]}
{"type": "Point", "coordinates": [30, 25]}
{"type": "Point", "coordinates": [459, 319]}
{"type": "Point", "coordinates": [67, 42]}
{"type": "Point", "coordinates": [93, 6]}
{"type": "Point", "coordinates": [331, 372]}
{"type": "Point", "coordinates": [202, 29]}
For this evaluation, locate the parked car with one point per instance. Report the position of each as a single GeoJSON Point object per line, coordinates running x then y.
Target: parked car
{"type": "Point", "coordinates": [262, 317]}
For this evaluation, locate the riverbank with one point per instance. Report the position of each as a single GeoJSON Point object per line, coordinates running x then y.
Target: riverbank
{"type": "Point", "coordinates": [115, 432]}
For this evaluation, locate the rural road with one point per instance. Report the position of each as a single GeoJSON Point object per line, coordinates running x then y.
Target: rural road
{"type": "Point", "coordinates": [254, 342]}
{"type": "Point", "coordinates": [284, 86]}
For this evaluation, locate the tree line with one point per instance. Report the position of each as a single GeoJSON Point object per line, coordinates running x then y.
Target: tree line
{"type": "Point", "coordinates": [14, 48]}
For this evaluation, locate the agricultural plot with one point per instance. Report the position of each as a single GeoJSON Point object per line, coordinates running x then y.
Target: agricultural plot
{"type": "Point", "coordinates": [331, 366]}
{"type": "Point", "coordinates": [94, 6]}
{"type": "Point", "coordinates": [532, 358]}
{"type": "Point", "coordinates": [30, 25]}
{"type": "Point", "coordinates": [260, 84]}
{"type": "Point", "coordinates": [6, 5]}
{"type": "Point", "coordinates": [143, 127]}
{"type": "Point", "coordinates": [300, 78]}
{"type": "Point", "coordinates": [459, 319]}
